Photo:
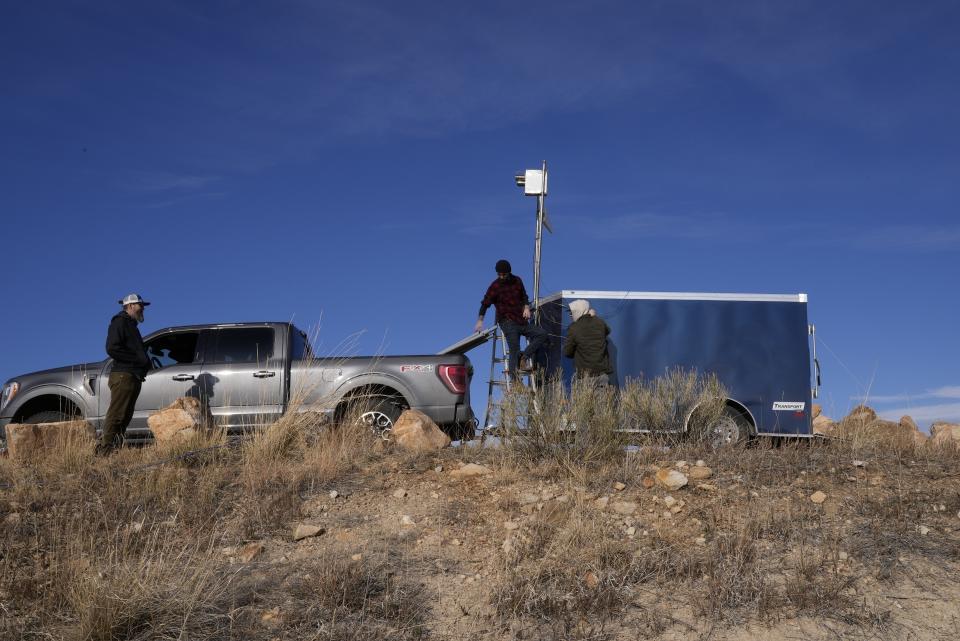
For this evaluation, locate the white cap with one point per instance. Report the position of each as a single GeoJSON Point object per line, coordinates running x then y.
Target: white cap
{"type": "Point", "coordinates": [130, 299]}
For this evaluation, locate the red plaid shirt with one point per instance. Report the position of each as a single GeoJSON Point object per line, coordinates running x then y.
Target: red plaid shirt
{"type": "Point", "coordinates": [509, 296]}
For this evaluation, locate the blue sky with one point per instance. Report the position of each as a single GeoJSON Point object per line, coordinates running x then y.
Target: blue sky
{"type": "Point", "coordinates": [353, 161]}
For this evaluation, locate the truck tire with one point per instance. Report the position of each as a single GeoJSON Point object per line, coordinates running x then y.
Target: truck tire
{"type": "Point", "coordinates": [731, 429]}
{"type": "Point", "coordinates": [49, 416]}
{"type": "Point", "coordinates": [379, 414]}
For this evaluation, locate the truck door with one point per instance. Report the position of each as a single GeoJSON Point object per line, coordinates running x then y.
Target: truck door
{"type": "Point", "coordinates": [243, 375]}
{"type": "Point", "coordinates": [176, 362]}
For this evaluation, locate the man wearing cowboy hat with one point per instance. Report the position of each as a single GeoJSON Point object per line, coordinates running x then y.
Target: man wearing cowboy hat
{"type": "Point", "coordinates": [130, 365]}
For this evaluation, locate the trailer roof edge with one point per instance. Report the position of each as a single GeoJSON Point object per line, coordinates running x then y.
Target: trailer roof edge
{"type": "Point", "coordinates": [599, 294]}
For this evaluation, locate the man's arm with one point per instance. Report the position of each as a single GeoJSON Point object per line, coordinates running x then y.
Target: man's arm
{"type": "Point", "coordinates": [525, 298]}
{"type": "Point", "coordinates": [488, 299]}
{"type": "Point", "coordinates": [570, 344]}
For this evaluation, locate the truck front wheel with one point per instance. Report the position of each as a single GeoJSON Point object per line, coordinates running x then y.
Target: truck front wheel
{"type": "Point", "coordinates": [49, 416]}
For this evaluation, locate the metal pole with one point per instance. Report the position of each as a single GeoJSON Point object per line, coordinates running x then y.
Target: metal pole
{"type": "Point", "coordinates": [536, 251]}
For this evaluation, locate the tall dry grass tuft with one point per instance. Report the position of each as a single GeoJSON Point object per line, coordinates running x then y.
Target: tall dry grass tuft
{"type": "Point", "coordinates": [576, 431]}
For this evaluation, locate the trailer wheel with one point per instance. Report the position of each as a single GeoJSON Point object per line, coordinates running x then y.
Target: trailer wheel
{"type": "Point", "coordinates": [732, 428]}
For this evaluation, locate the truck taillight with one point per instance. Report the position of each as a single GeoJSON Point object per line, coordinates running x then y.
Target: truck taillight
{"type": "Point", "coordinates": [454, 377]}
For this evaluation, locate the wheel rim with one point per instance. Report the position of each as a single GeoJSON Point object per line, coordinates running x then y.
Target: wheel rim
{"type": "Point", "coordinates": [378, 422]}
{"type": "Point", "coordinates": [726, 432]}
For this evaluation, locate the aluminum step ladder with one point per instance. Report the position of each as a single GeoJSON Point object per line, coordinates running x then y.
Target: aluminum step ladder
{"type": "Point", "coordinates": [499, 386]}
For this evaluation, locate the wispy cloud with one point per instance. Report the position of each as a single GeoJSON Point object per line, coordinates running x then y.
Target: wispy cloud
{"type": "Point", "coordinates": [949, 412]}
{"type": "Point", "coordinates": [160, 181]}
{"type": "Point", "coordinates": [911, 237]}
{"type": "Point", "coordinates": [946, 392]}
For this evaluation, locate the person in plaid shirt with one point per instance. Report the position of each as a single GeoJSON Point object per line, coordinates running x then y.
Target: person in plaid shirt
{"type": "Point", "coordinates": [509, 296]}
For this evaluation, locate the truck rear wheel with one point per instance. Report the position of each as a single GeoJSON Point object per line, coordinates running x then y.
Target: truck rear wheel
{"type": "Point", "coordinates": [379, 414]}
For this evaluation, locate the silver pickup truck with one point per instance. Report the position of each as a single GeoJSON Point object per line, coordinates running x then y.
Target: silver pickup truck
{"type": "Point", "coordinates": [249, 374]}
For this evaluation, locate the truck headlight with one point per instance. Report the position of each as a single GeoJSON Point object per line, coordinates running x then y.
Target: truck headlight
{"type": "Point", "coordinates": [9, 391]}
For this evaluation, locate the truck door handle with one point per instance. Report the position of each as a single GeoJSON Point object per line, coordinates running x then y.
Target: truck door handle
{"type": "Point", "coordinates": [183, 377]}
{"type": "Point", "coordinates": [264, 374]}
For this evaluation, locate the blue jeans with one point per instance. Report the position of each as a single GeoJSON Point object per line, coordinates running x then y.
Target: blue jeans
{"type": "Point", "coordinates": [536, 337]}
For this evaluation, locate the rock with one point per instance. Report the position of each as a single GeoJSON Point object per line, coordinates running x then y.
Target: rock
{"type": "Point", "coordinates": [669, 501]}
{"type": "Point", "coordinates": [671, 479]}
{"type": "Point", "coordinates": [434, 495]}
{"type": "Point", "coordinates": [334, 494]}
{"type": "Point", "coordinates": [624, 507]}
{"type": "Point", "coordinates": [180, 421]}
{"type": "Point", "coordinates": [591, 580]}
{"type": "Point", "coordinates": [706, 487]}
{"type": "Point", "coordinates": [270, 615]}
{"type": "Point", "coordinates": [407, 520]}
{"type": "Point", "coordinates": [818, 497]}
{"type": "Point", "coordinates": [250, 551]}
{"type": "Point", "coordinates": [456, 543]}
{"type": "Point", "coordinates": [470, 470]}
{"type": "Point", "coordinates": [438, 469]}
{"type": "Point", "coordinates": [619, 487]}
{"type": "Point", "coordinates": [648, 481]}
{"type": "Point", "coordinates": [862, 413]}
{"type": "Point", "coordinates": [924, 530]}
{"type": "Point", "coordinates": [416, 432]}
{"type": "Point", "coordinates": [631, 531]}
{"type": "Point", "coordinates": [857, 463]}
{"type": "Point", "coordinates": [843, 556]}
{"type": "Point", "coordinates": [27, 442]}
{"type": "Point", "coordinates": [700, 540]}
{"type": "Point", "coordinates": [399, 494]}
{"type": "Point", "coordinates": [701, 463]}
{"type": "Point", "coordinates": [601, 503]}
{"type": "Point", "coordinates": [824, 426]}
{"type": "Point", "coordinates": [699, 472]}
{"type": "Point", "coordinates": [816, 410]}
{"type": "Point", "coordinates": [356, 557]}
{"type": "Point", "coordinates": [305, 531]}
{"type": "Point", "coordinates": [943, 433]}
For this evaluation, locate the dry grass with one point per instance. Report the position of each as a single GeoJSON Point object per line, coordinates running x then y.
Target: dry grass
{"type": "Point", "coordinates": [130, 547]}
{"type": "Point", "coordinates": [126, 548]}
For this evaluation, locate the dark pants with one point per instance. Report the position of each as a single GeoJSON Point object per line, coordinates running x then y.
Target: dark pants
{"type": "Point", "coordinates": [124, 390]}
{"type": "Point", "coordinates": [536, 337]}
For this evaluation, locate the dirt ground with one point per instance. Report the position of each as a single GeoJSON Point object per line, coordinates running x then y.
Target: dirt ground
{"type": "Point", "coordinates": [410, 548]}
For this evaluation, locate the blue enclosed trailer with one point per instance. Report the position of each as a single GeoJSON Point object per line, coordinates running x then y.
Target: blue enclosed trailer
{"type": "Point", "coordinates": [758, 345]}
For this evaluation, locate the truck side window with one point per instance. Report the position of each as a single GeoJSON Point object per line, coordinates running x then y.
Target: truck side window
{"type": "Point", "coordinates": [244, 345]}
{"type": "Point", "coordinates": [179, 348]}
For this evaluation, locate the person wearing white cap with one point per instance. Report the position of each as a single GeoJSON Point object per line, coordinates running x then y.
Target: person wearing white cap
{"type": "Point", "coordinates": [586, 343]}
{"type": "Point", "coordinates": [130, 366]}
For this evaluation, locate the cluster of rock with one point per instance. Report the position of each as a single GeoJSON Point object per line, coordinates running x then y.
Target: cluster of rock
{"type": "Point", "coordinates": [863, 422]}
